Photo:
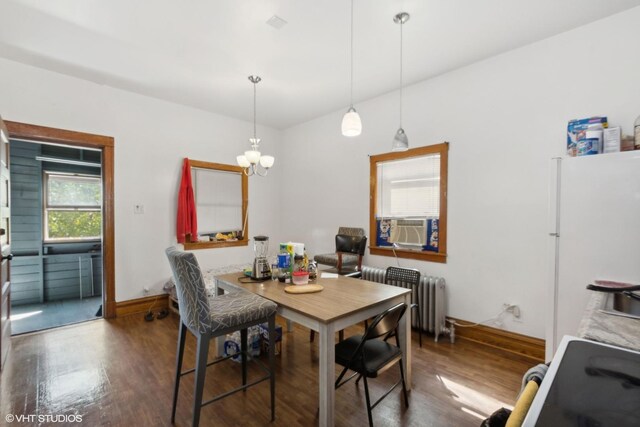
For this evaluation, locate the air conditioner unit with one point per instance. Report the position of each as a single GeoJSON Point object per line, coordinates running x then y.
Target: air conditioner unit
{"type": "Point", "coordinates": [408, 232]}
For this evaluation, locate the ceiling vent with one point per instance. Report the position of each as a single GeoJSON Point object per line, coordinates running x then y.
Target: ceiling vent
{"type": "Point", "coordinates": [276, 22]}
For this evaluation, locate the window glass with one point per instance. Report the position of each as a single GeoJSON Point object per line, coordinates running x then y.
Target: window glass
{"type": "Point", "coordinates": [73, 207]}
{"type": "Point", "coordinates": [409, 187]}
{"type": "Point", "coordinates": [70, 190]}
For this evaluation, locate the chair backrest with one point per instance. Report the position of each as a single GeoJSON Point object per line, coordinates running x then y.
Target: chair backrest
{"type": "Point", "coordinates": [385, 322]}
{"type": "Point", "coordinates": [352, 231]}
{"type": "Point", "coordinates": [351, 244]}
{"type": "Point", "coordinates": [192, 295]}
{"type": "Point", "coordinates": [403, 277]}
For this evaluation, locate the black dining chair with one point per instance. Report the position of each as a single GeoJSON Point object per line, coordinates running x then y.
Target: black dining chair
{"type": "Point", "coordinates": [406, 278]}
{"type": "Point", "coordinates": [210, 317]}
{"type": "Point", "coordinates": [369, 355]}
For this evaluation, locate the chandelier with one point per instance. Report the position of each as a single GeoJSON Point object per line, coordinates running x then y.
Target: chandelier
{"type": "Point", "coordinates": [252, 161]}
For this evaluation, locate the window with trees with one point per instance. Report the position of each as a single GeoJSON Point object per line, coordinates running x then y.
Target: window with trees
{"type": "Point", "coordinates": [72, 207]}
{"type": "Point", "coordinates": [408, 203]}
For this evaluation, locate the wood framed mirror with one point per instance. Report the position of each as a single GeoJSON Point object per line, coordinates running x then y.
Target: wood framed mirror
{"type": "Point", "coordinates": [221, 194]}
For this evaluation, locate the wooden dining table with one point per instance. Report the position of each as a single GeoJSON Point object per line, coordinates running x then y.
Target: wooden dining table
{"type": "Point", "coordinates": [343, 302]}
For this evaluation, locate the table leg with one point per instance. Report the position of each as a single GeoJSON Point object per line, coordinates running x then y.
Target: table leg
{"type": "Point", "coordinates": [404, 332]}
{"type": "Point", "coordinates": [327, 374]}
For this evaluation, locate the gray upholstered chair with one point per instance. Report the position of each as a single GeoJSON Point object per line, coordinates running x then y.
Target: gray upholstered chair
{"type": "Point", "coordinates": [351, 243]}
{"type": "Point", "coordinates": [210, 317]}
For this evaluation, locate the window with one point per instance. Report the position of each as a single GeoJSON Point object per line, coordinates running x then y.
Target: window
{"type": "Point", "coordinates": [72, 207]}
{"type": "Point", "coordinates": [221, 195]}
{"type": "Point", "coordinates": [409, 203]}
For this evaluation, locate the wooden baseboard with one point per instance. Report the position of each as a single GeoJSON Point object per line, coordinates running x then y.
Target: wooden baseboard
{"type": "Point", "coordinates": [141, 305]}
{"type": "Point", "coordinates": [522, 345]}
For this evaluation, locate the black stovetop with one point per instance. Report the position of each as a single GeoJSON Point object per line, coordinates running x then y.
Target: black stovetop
{"type": "Point", "coordinates": [594, 386]}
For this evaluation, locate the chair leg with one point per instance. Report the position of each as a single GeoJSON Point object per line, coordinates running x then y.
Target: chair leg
{"type": "Point", "coordinates": [272, 364]}
{"type": "Point", "coordinates": [182, 334]}
{"type": "Point", "coordinates": [201, 371]}
{"type": "Point", "coordinates": [243, 355]}
{"type": "Point", "coordinates": [358, 379]}
{"type": "Point", "coordinates": [404, 386]}
{"type": "Point", "coordinates": [366, 394]}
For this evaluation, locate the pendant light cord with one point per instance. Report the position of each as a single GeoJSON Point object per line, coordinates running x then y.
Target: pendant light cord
{"type": "Point", "coordinates": [401, 25]}
{"type": "Point", "coordinates": [351, 54]}
{"type": "Point", "coordinates": [254, 111]}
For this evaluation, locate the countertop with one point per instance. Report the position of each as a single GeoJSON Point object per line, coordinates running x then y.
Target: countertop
{"type": "Point", "coordinates": [608, 328]}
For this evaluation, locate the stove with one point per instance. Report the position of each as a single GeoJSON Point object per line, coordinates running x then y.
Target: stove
{"type": "Point", "coordinates": [588, 384]}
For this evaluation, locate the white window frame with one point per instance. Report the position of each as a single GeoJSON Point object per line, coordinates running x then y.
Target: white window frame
{"type": "Point", "coordinates": [77, 208]}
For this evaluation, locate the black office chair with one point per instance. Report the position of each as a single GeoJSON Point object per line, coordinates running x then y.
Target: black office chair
{"type": "Point", "coordinates": [350, 246]}
{"type": "Point", "coordinates": [351, 243]}
{"type": "Point", "coordinates": [368, 356]}
{"type": "Point", "coordinates": [406, 278]}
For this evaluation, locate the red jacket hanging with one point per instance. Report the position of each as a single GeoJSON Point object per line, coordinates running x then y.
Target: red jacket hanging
{"type": "Point", "coordinates": [187, 220]}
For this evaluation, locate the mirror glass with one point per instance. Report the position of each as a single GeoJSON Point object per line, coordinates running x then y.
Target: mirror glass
{"type": "Point", "coordinates": [221, 195]}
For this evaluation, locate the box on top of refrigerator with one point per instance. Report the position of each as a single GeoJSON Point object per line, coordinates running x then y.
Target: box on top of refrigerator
{"type": "Point", "coordinates": [577, 129]}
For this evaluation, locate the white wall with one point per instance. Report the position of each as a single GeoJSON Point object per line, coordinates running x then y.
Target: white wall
{"type": "Point", "coordinates": [151, 139]}
{"type": "Point", "coordinates": [505, 117]}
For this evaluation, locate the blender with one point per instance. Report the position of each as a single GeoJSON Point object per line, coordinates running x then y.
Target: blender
{"type": "Point", "coordinates": [261, 269]}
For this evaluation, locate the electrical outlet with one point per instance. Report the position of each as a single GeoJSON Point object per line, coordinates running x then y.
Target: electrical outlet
{"type": "Point", "coordinates": [513, 309]}
{"type": "Point", "coordinates": [138, 209]}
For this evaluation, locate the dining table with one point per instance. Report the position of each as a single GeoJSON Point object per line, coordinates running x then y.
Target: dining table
{"type": "Point", "coordinates": [343, 301]}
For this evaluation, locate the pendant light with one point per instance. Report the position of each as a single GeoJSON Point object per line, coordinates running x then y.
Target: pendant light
{"type": "Point", "coordinates": [351, 123]}
{"type": "Point", "coordinates": [400, 140]}
{"type": "Point", "coordinates": [251, 158]}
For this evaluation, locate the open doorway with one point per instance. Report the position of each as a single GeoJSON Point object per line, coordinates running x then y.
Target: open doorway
{"type": "Point", "coordinates": [56, 235]}
{"type": "Point", "coordinates": [79, 140]}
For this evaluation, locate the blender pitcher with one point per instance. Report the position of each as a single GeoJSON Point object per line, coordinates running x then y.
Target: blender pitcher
{"type": "Point", "coordinates": [261, 269]}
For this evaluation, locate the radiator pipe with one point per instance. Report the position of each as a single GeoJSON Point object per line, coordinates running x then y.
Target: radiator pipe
{"type": "Point", "coordinates": [448, 330]}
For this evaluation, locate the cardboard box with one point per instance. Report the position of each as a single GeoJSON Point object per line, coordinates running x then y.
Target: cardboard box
{"type": "Point", "coordinates": [576, 132]}
{"type": "Point", "coordinates": [611, 140]}
{"type": "Point", "coordinates": [264, 333]}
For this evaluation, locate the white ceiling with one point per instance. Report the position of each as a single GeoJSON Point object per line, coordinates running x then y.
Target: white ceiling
{"type": "Point", "coordinates": [200, 52]}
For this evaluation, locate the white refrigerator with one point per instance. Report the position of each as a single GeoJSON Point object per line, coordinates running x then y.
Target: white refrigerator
{"type": "Point", "coordinates": [594, 233]}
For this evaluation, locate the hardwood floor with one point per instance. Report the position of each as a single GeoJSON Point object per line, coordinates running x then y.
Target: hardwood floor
{"type": "Point", "coordinates": [120, 373]}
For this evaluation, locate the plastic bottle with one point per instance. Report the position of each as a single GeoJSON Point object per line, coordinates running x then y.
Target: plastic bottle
{"type": "Point", "coordinates": [592, 143]}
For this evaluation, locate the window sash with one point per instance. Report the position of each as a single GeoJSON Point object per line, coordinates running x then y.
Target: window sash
{"type": "Point", "coordinates": [409, 188]}
{"type": "Point", "coordinates": [57, 176]}
{"type": "Point", "coordinates": [68, 207]}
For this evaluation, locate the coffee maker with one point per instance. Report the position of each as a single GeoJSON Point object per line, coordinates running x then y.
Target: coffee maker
{"type": "Point", "coordinates": [261, 269]}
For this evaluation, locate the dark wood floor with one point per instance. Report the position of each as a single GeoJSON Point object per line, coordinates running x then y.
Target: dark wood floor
{"type": "Point", "coordinates": [120, 372]}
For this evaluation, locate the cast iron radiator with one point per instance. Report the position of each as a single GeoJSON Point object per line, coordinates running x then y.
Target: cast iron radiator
{"type": "Point", "coordinates": [430, 296]}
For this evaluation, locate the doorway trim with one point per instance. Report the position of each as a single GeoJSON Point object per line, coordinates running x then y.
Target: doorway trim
{"type": "Point", "coordinates": [106, 145]}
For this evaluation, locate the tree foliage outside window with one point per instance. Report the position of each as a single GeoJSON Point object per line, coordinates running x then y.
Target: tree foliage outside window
{"type": "Point", "coordinates": [73, 209]}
